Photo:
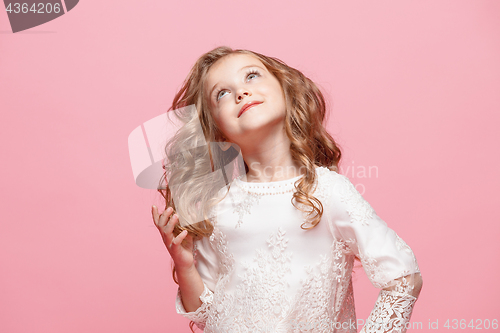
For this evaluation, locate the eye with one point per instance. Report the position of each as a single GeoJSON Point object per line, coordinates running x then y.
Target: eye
{"type": "Point", "coordinates": [218, 94]}
{"type": "Point", "coordinates": [253, 73]}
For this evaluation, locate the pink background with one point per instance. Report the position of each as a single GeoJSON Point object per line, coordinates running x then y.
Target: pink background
{"type": "Point", "coordinates": [414, 89]}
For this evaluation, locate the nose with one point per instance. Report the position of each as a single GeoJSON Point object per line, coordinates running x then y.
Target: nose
{"type": "Point", "coordinates": [242, 93]}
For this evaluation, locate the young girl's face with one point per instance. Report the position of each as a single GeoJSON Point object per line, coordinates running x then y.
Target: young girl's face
{"type": "Point", "coordinates": [245, 99]}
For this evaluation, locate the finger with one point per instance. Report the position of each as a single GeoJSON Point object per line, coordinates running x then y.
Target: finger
{"type": "Point", "coordinates": [156, 217]}
{"type": "Point", "coordinates": [167, 231]}
{"type": "Point", "coordinates": [169, 227]}
{"type": "Point", "coordinates": [154, 212]}
{"type": "Point", "coordinates": [164, 217]}
{"type": "Point", "coordinates": [180, 237]}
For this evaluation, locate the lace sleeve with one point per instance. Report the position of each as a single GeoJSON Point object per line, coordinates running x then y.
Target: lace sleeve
{"type": "Point", "coordinates": [394, 306]}
{"type": "Point", "coordinates": [199, 317]}
{"type": "Point", "coordinates": [206, 264]}
{"type": "Point", "coordinates": [387, 260]}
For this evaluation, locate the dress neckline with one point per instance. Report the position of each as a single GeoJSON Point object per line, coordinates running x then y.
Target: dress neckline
{"type": "Point", "coordinates": [261, 188]}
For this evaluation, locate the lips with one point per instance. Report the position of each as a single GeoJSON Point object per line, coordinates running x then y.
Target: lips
{"type": "Point", "coordinates": [247, 106]}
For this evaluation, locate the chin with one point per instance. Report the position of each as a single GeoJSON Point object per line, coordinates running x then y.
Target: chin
{"type": "Point", "coordinates": [261, 122]}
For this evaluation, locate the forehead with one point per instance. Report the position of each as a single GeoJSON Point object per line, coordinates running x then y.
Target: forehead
{"type": "Point", "coordinates": [230, 64]}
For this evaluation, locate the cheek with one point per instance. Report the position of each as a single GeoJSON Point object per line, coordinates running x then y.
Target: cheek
{"type": "Point", "coordinates": [219, 122]}
{"type": "Point", "coordinates": [273, 93]}
{"type": "Point", "coordinates": [221, 118]}
{"type": "Point", "coordinates": [216, 117]}
{"type": "Point", "coordinates": [277, 92]}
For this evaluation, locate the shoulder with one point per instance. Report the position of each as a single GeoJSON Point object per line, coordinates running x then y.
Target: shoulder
{"type": "Point", "coordinates": [341, 192]}
{"type": "Point", "coordinates": [332, 180]}
{"type": "Point", "coordinates": [327, 180]}
{"type": "Point", "coordinates": [337, 183]}
{"type": "Point", "coordinates": [325, 173]}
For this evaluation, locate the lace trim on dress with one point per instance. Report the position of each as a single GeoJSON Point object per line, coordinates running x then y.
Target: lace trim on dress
{"type": "Point", "coordinates": [199, 316]}
{"type": "Point", "coordinates": [391, 313]}
{"type": "Point", "coordinates": [248, 194]}
{"type": "Point", "coordinates": [403, 285]}
{"type": "Point", "coordinates": [267, 188]}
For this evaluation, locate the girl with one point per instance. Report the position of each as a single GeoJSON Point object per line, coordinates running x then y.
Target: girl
{"type": "Point", "coordinates": [275, 247]}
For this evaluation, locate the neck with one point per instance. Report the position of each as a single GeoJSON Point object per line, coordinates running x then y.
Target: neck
{"type": "Point", "coordinates": [271, 159]}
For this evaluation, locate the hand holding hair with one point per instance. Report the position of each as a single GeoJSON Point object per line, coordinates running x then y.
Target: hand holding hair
{"type": "Point", "coordinates": [181, 250]}
{"type": "Point", "coordinates": [180, 247]}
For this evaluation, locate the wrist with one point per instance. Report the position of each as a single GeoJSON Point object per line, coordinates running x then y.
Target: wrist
{"type": "Point", "coordinates": [185, 270]}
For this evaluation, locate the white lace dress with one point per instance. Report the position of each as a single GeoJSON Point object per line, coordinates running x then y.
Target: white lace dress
{"type": "Point", "coordinates": [263, 273]}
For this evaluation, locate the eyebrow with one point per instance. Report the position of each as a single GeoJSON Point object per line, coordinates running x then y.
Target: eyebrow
{"type": "Point", "coordinates": [242, 68]}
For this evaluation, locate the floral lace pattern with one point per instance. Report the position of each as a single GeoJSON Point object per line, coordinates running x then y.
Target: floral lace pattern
{"type": "Point", "coordinates": [242, 203]}
{"type": "Point", "coordinates": [219, 242]}
{"type": "Point", "coordinates": [199, 316]}
{"type": "Point", "coordinates": [403, 286]}
{"type": "Point", "coordinates": [326, 298]}
{"type": "Point", "coordinates": [373, 269]}
{"type": "Point", "coordinates": [240, 310]}
{"type": "Point", "coordinates": [391, 313]}
{"type": "Point", "coordinates": [401, 245]}
{"type": "Point", "coordinates": [265, 280]}
{"type": "Point", "coordinates": [358, 208]}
